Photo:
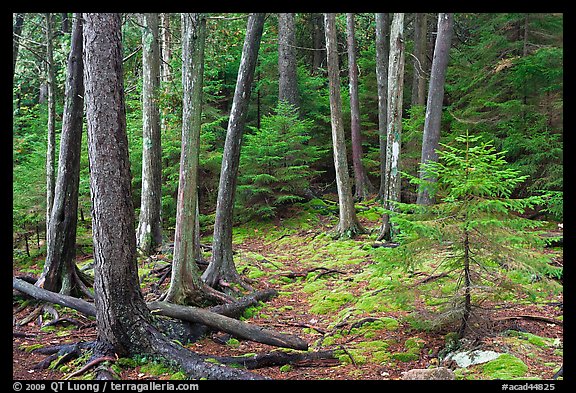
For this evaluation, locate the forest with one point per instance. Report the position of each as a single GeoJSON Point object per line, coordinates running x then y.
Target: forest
{"type": "Point", "coordinates": [287, 196]}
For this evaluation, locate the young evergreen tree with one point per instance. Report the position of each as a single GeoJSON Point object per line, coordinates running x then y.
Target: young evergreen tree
{"type": "Point", "coordinates": [478, 220]}
{"type": "Point", "coordinates": [275, 166]}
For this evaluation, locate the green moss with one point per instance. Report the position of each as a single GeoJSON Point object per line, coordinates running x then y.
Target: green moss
{"type": "Point", "coordinates": [30, 348]}
{"type": "Point", "coordinates": [179, 376]}
{"type": "Point", "coordinates": [532, 338]}
{"type": "Point", "coordinates": [506, 366]}
{"type": "Point", "coordinates": [405, 356]}
{"type": "Point", "coordinates": [285, 368]}
{"type": "Point", "coordinates": [233, 342]}
{"type": "Point", "coordinates": [325, 302]}
{"type": "Point", "coordinates": [155, 368]}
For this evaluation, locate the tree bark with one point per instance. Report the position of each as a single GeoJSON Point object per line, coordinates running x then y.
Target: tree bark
{"type": "Point", "coordinates": [122, 318]}
{"type": "Point", "coordinates": [149, 231]}
{"type": "Point", "coordinates": [222, 266]}
{"type": "Point", "coordinates": [318, 45]}
{"type": "Point", "coordinates": [348, 225]}
{"type": "Point", "coordinates": [363, 185]}
{"type": "Point", "coordinates": [431, 136]}
{"type": "Point", "coordinates": [60, 272]}
{"type": "Point", "coordinates": [17, 31]}
{"type": "Point", "coordinates": [51, 140]}
{"type": "Point", "coordinates": [166, 51]}
{"type": "Point", "coordinates": [287, 65]}
{"type": "Point", "coordinates": [382, 50]}
{"type": "Point", "coordinates": [394, 129]}
{"type": "Point", "coordinates": [186, 286]}
{"type": "Point", "coordinates": [419, 60]}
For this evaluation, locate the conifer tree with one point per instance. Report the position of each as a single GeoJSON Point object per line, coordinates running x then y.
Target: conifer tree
{"type": "Point", "coordinates": [477, 218]}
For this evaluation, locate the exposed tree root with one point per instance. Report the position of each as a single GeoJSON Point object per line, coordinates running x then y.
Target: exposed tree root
{"type": "Point", "coordinates": [325, 271]}
{"type": "Point", "coordinates": [89, 365]}
{"type": "Point", "coordinates": [279, 358]}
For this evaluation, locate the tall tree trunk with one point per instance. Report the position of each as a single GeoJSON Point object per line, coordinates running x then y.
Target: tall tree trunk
{"type": "Point", "coordinates": [318, 46]}
{"type": "Point", "coordinates": [121, 314]}
{"type": "Point", "coordinates": [65, 25]}
{"type": "Point", "coordinates": [363, 185]}
{"type": "Point", "coordinates": [166, 51]}
{"type": "Point", "coordinates": [382, 49]}
{"type": "Point", "coordinates": [394, 130]}
{"type": "Point", "coordinates": [287, 65]}
{"type": "Point", "coordinates": [149, 231]}
{"type": "Point", "coordinates": [60, 272]}
{"type": "Point", "coordinates": [431, 137]}
{"type": "Point", "coordinates": [419, 60]}
{"type": "Point", "coordinates": [124, 323]}
{"type": "Point", "coordinates": [51, 139]}
{"type": "Point", "coordinates": [348, 225]}
{"type": "Point", "coordinates": [17, 31]}
{"type": "Point", "coordinates": [186, 287]}
{"type": "Point", "coordinates": [221, 267]}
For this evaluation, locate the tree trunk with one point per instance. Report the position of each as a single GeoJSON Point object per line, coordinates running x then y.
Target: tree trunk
{"type": "Point", "coordinates": [419, 61]}
{"type": "Point", "coordinates": [60, 272]}
{"type": "Point", "coordinates": [122, 318]}
{"type": "Point", "coordinates": [348, 225]}
{"type": "Point", "coordinates": [394, 130]}
{"type": "Point", "coordinates": [17, 31]}
{"type": "Point", "coordinates": [186, 287]}
{"type": "Point", "coordinates": [287, 65]}
{"type": "Point", "coordinates": [222, 266]}
{"type": "Point", "coordinates": [319, 48]}
{"type": "Point", "coordinates": [166, 52]}
{"type": "Point", "coordinates": [149, 231]}
{"type": "Point", "coordinates": [382, 49]}
{"type": "Point", "coordinates": [363, 185]}
{"type": "Point", "coordinates": [431, 137]}
{"type": "Point", "coordinates": [51, 140]}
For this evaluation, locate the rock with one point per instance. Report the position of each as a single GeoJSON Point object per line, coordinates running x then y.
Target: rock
{"type": "Point", "coordinates": [438, 373]}
{"type": "Point", "coordinates": [469, 358]}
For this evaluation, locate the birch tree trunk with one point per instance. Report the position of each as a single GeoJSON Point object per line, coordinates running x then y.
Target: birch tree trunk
{"type": "Point", "coordinates": [287, 65]}
{"type": "Point", "coordinates": [221, 267]}
{"type": "Point", "coordinates": [60, 273]}
{"type": "Point", "coordinates": [382, 50]}
{"type": "Point", "coordinates": [51, 139]}
{"type": "Point", "coordinates": [348, 225]}
{"type": "Point", "coordinates": [431, 137]}
{"type": "Point", "coordinates": [394, 129]}
{"type": "Point", "coordinates": [149, 231]}
{"type": "Point", "coordinates": [363, 185]}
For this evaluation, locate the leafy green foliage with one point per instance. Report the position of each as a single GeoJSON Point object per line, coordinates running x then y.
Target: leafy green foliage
{"type": "Point", "coordinates": [275, 166]}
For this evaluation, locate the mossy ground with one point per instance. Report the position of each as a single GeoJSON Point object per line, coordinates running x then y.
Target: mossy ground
{"type": "Point", "coordinates": [364, 302]}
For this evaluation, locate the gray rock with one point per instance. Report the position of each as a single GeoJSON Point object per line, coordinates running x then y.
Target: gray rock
{"type": "Point", "coordinates": [438, 373]}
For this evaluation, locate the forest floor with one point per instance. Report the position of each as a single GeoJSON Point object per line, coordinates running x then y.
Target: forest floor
{"type": "Point", "coordinates": [344, 295]}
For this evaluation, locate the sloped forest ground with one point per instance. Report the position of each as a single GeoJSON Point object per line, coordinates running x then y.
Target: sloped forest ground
{"type": "Point", "coordinates": [344, 295]}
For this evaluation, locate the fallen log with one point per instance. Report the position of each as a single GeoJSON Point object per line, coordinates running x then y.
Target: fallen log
{"type": "Point", "coordinates": [191, 314]}
{"type": "Point", "coordinates": [75, 303]}
{"type": "Point", "coordinates": [233, 326]}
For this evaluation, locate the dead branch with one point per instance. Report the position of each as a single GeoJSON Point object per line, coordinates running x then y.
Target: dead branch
{"type": "Point", "coordinates": [89, 365]}
{"type": "Point", "coordinates": [531, 317]}
{"type": "Point", "coordinates": [306, 272]}
{"type": "Point", "coordinates": [429, 279]}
